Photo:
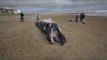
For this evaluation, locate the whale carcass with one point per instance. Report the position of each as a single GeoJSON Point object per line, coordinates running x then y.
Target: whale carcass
{"type": "Point", "coordinates": [51, 30]}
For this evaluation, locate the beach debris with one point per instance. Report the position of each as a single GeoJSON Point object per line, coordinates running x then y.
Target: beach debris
{"type": "Point", "coordinates": [70, 20]}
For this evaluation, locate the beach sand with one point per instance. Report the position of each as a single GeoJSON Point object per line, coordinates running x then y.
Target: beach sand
{"type": "Point", "coordinates": [24, 41]}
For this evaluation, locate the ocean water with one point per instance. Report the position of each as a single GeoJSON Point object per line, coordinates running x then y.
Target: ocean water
{"type": "Point", "coordinates": [97, 13]}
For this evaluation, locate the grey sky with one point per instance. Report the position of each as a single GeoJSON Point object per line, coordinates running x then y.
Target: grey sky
{"type": "Point", "coordinates": [45, 3]}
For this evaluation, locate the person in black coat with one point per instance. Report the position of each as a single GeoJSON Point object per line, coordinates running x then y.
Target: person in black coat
{"type": "Point", "coordinates": [82, 16]}
{"type": "Point", "coordinates": [21, 17]}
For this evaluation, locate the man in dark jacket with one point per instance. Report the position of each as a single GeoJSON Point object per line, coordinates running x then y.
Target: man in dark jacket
{"type": "Point", "coordinates": [21, 17]}
{"type": "Point", "coordinates": [82, 16]}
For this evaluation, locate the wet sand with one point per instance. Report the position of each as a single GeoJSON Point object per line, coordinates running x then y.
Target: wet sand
{"type": "Point", "coordinates": [24, 41]}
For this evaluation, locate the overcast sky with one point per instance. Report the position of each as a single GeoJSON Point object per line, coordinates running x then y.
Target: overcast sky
{"type": "Point", "coordinates": [55, 5]}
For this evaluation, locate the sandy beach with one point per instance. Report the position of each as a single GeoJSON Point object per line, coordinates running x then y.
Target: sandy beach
{"type": "Point", "coordinates": [24, 41]}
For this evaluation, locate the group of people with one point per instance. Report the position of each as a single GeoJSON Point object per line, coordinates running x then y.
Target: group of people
{"type": "Point", "coordinates": [80, 17]}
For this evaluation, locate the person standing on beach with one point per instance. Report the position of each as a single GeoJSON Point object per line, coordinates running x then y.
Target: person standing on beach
{"type": "Point", "coordinates": [21, 17]}
{"type": "Point", "coordinates": [37, 17]}
{"type": "Point", "coordinates": [76, 17]}
{"type": "Point", "coordinates": [82, 16]}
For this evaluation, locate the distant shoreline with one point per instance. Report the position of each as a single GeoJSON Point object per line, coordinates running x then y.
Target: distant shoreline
{"type": "Point", "coordinates": [66, 13]}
